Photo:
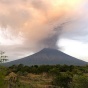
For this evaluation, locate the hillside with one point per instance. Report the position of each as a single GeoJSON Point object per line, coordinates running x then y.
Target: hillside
{"type": "Point", "coordinates": [47, 56]}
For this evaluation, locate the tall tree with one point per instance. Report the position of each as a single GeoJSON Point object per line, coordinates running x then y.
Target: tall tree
{"type": "Point", "coordinates": [3, 57]}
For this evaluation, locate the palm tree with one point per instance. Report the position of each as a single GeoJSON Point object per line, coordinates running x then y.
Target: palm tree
{"type": "Point", "coordinates": [3, 57]}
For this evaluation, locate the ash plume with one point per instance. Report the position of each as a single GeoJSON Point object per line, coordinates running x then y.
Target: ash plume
{"type": "Point", "coordinates": [37, 23]}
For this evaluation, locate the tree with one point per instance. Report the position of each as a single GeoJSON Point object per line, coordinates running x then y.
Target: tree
{"type": "Point", "coordinates": [79, 81]}
{"type": "Point", "coordinates": [62, 80]}
{"type": "Point", "coordinates": [3, 57]}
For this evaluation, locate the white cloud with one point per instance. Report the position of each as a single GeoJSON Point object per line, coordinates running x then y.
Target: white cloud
{"type": "Point", "coordinates": [75, 48]}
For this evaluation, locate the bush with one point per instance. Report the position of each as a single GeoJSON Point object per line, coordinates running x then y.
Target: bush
{"type": "Point", "coordinates": [79, 81]}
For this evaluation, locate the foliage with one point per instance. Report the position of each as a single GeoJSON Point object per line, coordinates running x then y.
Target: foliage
{"type": "Point", "coordinates": [62, 80]}
{"type": "Point", "coordinates": [3, 57]}
{"type": "Point", "coordinates": [62, 76]}
{"type": "Point", "coordinates": [3, 71]}
{"type": "Point", "coordinates": [79, 81]}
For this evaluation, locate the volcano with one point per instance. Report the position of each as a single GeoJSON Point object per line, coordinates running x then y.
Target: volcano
{"type": "Point", "coordinates": [47, 56]}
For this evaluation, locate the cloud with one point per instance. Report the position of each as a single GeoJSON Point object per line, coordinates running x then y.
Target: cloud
{"type": "Point", "coordinates": [37, 23]}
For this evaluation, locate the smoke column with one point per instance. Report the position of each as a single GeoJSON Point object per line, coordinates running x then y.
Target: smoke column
{"type": "Point", "coordinates": [37, 24]}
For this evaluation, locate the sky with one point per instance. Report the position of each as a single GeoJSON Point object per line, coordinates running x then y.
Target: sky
{"type": "Point", "coordinates": [27, 26]}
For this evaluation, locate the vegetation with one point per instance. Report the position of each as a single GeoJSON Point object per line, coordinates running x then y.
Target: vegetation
{"type": "Point", "coordinates": [44, 76]}
{"type": "Point", "coordinates": [3, 57]}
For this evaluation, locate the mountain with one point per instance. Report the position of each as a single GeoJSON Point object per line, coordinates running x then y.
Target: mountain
{"type": "Point", "coordinates": [47, 56]}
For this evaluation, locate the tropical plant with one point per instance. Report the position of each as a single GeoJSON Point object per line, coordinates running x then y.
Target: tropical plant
{"type": "Point", "coordinates": [3, 57]}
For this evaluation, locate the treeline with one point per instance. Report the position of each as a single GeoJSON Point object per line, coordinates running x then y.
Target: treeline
{"type": "Point", "coordinates": [54, 69]}
{"type": "Point", "coordinates": [63, 76]}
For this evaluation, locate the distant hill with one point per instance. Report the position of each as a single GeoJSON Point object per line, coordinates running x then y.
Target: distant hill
{"type": "Point", "coordinates": [48, 56]}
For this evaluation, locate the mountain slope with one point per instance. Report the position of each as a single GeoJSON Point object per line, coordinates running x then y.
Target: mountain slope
{"type": "Point", "coordinates": [48, 57]}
